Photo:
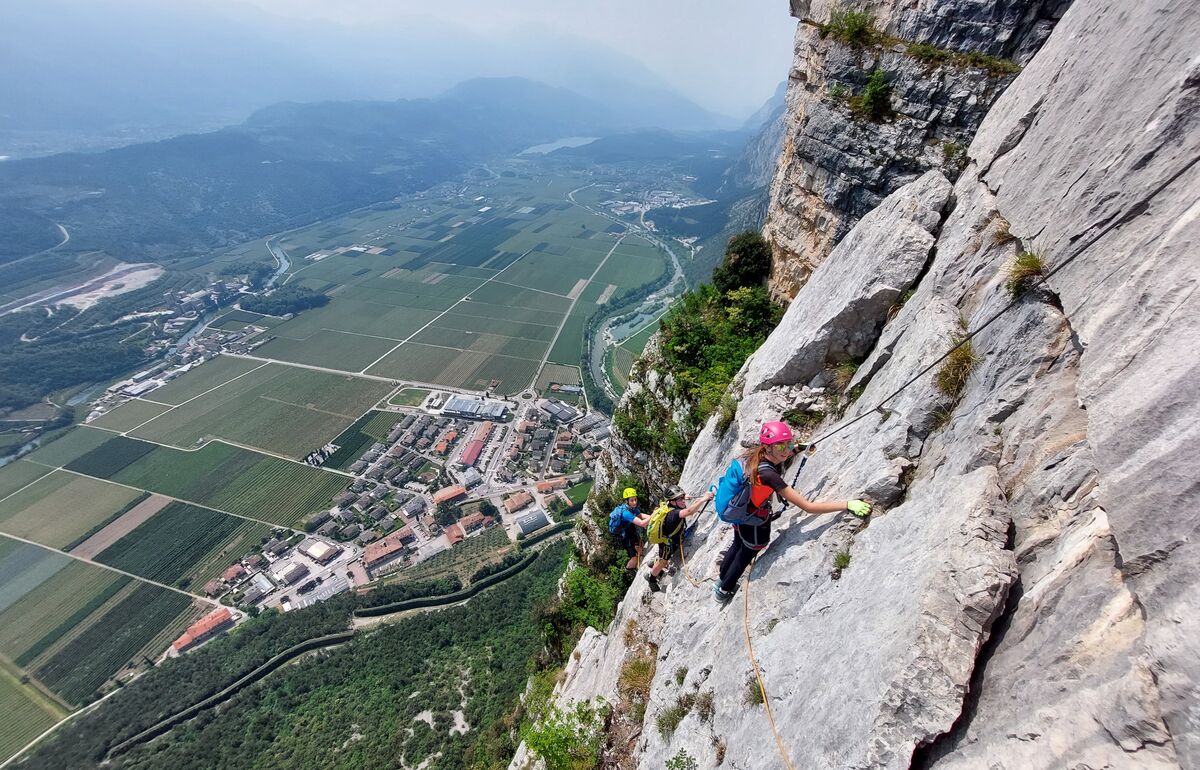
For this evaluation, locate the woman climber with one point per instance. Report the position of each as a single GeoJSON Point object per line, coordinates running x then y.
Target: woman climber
{"type": "Point", "coordinates": [761, 471]}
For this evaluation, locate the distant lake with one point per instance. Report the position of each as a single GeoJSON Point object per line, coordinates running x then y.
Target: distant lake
{"type": "Point", "coordinates": [558, 144]}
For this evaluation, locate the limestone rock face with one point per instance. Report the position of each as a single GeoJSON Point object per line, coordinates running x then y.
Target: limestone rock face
{"type": "Point", "coordinates": [835, 167]}
{"type": "Point", "coordinates": [1025, 594]}
{"type": "Point", "coordinates": [838, 319]}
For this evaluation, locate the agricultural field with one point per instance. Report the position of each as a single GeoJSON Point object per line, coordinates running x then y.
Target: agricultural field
{"type": "Point", "coordinates": [410, 397]}
{"type": "Point", "coordinates": [220, 476]}
{"type": "Point", "coordinates": [27, 713]}
{"type": "Point", "coordinates": [330, 349]}
{"type": "Point", "coordinates": [183, 545]}
{"type": "Point", "coordinates": [281, 409]}
{"type": "Point", "coordinates": [129, 415]}
{"type": "Point", "coordinates": [464, 295]}
{"type": "Point", "coordinates": [209, 375]}
{"type": "Point", "coordinates": [67, 627]}
{"type": "Point", "coordinates": [558, 373]}
{"type": "Point", "coordinates": [18, 474]}
{"type": "Point", "coordinates": [60, 507]}
{"type": "Point", "coordinates": [81, 666]}
{"type": "Point", "coordinates": [46, 612]}
{"type": "Point", "coordinates": [68, 447]}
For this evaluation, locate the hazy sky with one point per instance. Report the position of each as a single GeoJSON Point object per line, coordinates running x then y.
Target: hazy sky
{"type": "Point", "coordinates": [726, 55]}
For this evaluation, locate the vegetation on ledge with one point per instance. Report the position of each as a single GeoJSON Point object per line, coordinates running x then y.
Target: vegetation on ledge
{"type": "Point", "coordinates": [704, 340]}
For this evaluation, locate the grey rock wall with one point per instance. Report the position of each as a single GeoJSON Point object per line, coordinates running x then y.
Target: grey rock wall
{"type": "Point", "coordinates": [1025, 595]}
{"type": "Point", "coordinates": [834, 168]}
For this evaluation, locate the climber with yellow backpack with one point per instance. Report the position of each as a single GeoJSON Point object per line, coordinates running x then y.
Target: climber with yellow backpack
{"type": "Point", "coordinates": [743, 499]}
{"type": "Point", "coordinates": [666, 527]}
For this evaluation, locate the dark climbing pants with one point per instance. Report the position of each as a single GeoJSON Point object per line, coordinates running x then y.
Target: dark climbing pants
{"type": "Point", "coordinates": [741, 553]}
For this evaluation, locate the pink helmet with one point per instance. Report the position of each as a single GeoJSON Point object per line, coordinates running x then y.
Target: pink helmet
{"type": "Point", "coordinates": [774, 433]}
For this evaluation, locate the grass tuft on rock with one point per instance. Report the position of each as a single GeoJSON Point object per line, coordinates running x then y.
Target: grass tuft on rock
{"type": "Point", "coordinates": [754, 693]}
{"type": "Point", "coordinates": [952, 376]}
{"type": "Point", "coordinates": [668, 720]}
{"type": "Point", "coordinates": [1023, 273]}
{"type": "Point", "coordinates": [636, 675]}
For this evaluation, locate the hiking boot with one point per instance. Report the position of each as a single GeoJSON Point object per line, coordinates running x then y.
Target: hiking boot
{"type": "Point", "coordinates": [722, 597]}
{"type": "Point", "coordinates": [653, 581]}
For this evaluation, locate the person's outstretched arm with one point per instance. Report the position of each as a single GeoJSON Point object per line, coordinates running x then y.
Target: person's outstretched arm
{"type": "Point", "coordinates": [696, 505]}
{"type": "Point", "coordinates": [833, 506]}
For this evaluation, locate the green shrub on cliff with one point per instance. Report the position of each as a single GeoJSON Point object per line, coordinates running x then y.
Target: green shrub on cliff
{"type": "Point", "coordinates": [875, 101]}
{"type": "Point", "coordinates": [851, 27]}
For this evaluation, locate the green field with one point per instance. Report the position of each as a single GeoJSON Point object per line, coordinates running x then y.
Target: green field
{"type": "Point", "coordinates": [60, 507]}
{"type": "Point", "coordinates": [183, 542]}
{"type": "Point", "coordinates": [53, 608]}
{"type": "Point", "coordinates": [69, 446]}
{"type": "Point", "coordinates": [276, 408]}
{"type": "Point", "coordinates": [331, 349]}
{"type": "Point", "coordinates": [222, 476]}
{"type": "Point", "coordinates": [208, 375]}
{"type": "Point", "coordinates": [578, 493]}
{"type": "Point", "coordinates": [80, 667]}
{"type": "Point", "coordinates": [27, 714]}
{"type": "Point", "coordinates": [18, 474]}
{"type": "Point", "coordinates": [69, 626]}
{"type": "Point", "coordinates": [474, 299]}
{"type": "Point", "coordinates": [129, 415]}
{"type": "Point", "coordinates": [409, 397]}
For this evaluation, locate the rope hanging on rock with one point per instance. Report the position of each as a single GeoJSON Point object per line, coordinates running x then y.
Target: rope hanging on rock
{"type": "Point", "coordinates": [762, 687]}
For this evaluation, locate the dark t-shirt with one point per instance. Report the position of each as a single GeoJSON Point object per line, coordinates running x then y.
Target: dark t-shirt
{"type": "Point", "coordinates": [757, 537]}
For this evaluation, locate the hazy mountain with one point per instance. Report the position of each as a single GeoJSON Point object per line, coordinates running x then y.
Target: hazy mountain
{"type": "Point", "coordinates": [76, 70]}
{"type": "Point", "coordinates": [770, 109]}
{"type": "Point", "coordinates": [287, 164]}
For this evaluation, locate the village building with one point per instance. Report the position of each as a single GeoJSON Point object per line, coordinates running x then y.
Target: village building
{"type": "Point", "coordinates": [532, 522]}
{"type": "Point", "coordinates": [320, 551]}
{"type": "Point", "coordinates": [518, 501]}
{"type": "Point", "coordinates": [203, 629]}
{"type": "Point", "coordinates": [449, 493]}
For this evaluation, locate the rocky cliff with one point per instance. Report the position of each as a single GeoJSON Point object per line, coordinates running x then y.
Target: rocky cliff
{"type": "Point", "coordinates": [1025, 594]}
{"type": "Point", "coordinates": [945, 63]}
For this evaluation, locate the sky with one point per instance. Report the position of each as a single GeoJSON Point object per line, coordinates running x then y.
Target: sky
{"type": "Point", "coordinates": [726, 55]}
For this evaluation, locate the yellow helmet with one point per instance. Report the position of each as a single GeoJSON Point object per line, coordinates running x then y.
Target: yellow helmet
{"type": "Point", "coordinates": [629, 492]}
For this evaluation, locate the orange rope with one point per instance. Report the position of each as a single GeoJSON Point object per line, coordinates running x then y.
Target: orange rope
{"type": "Point", "coordinates": [762, 688]}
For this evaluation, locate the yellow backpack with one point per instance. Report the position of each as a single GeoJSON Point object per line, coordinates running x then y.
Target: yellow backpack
{"type": "Point", "coordinates": [658, 519]}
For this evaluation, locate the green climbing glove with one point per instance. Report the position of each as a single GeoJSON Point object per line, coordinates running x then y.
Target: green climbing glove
{"type": "Point", "coordinates": [860, 508]}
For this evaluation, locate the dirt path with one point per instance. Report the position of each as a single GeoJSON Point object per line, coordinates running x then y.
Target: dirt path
{"type": "Point", "coordinates": [129, 521]}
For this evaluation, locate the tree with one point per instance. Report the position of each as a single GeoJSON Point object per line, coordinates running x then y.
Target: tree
{"type": "Point", "coordinates": [747, 262]}
{"type": "Point", "coordinates": [487, 509]}
{"type": "Point", "coordinates": [447, 513]}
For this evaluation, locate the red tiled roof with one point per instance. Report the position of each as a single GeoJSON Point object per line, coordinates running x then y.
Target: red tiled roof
{"type": "Point", "coordinates": [233, 573]}
{"type": "Point", "coordinates": [454, 534]}
{"type": "Point", "coordinates": [203, 628]}
{"type": "Point", "coordinates": [470, 455]}
{"type": "Point", "coordinates": [449, 493]}
{"type": "Point", "coordinates": [383, 549]}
